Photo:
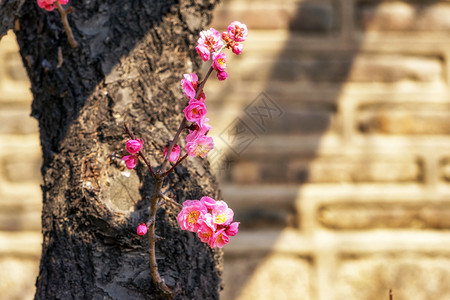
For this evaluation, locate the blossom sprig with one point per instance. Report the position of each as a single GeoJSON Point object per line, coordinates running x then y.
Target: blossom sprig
{"type": "Point", "coordinates": [50, 5]}
{"type": "Point", "coordinates": [211, 43]}
{"type": "Point", "coordinates": [211, 220]}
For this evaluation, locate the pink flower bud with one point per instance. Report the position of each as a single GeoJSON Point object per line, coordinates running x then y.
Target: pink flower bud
{"type": "Point", "coordinates": [130, 161]}
{"type": "Point", "coordinates": [237, 48]}
{"type": "Point", "coordinates": [142, 229]}
{"type": "Point", "coordinates": [222, 75]}
{"type": "Point", "coordinates": [174, 155]}
{"type": "Point", "coordinates": [134, 146]}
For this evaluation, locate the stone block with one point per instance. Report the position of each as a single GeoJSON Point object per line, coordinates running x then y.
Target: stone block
{"type": "Point", "coordinates": [268, 277]}
{"type": "Point", "coordinates": [310, 17]}
{"type": "Point", "coordinates": [403, 16]}
{"type": "Point", "coordinates": [404, 118]}
{"type": "Point", "coordinates": [357, 216]}
{"type": "Point", "coordinates": [22, 168]}
{"type": "Point", "coordinates": [20, 216]}
{"type": "Point", "coordinates": [411, 276]}
{"type": "Point", "coordinates": [396, 68]}
{"type": "Point", "coordinates": [362, 169]}
{"type": "Point", "coordinates": [14, 84]}
{"type": "Point", "coordinates": [17, 121]}
{"type": "Point", "coordinates": [339, 67]}
{"type": "Point", "coordinates": [17, 277]}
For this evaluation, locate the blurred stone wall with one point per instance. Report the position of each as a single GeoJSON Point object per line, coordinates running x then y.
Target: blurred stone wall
{"type": "Point", "coordinates": [20, 193]}
{"type": "Point", "coordinates": [333, 132]}
{"type": "Point", "coordinates": [332, 145]}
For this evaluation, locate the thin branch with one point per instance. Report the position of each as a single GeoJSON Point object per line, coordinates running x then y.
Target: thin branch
{"type": "Point", "coordinates": [170, 200]}
{"type": "Point", "coordinates": [172, 144]}
{"type": "Point", "coordinates": [174, 166]}
{"type": "Point", "coordinates": [73, 43]}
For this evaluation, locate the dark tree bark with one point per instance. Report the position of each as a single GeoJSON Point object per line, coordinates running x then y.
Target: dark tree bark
{"type": "Point", "coordinates": [127, 69]}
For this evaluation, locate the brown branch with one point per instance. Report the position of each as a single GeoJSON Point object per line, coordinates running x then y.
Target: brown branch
{"type": "Point", "coordinates": [172, 144]}
{"type": "Point", "coordinates": [157, 280]}
{"type": "Point", "coordinates": [73, 43]}
{"type": "Point", "coordinates": [170, 200]}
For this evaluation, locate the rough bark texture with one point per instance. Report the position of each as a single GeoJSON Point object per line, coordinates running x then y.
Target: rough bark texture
{"type": "Point", "coordinates": [128, 68]}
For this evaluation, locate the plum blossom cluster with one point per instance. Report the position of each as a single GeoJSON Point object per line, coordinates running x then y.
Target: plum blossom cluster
{"type": "Point", "coordinates": [49, 5]}
{"type": "Point", "coordinates": [211, 42]}
{"type": "Point", "coordinates": [133, 147]}
{"type": "Point", "coordinates": [212, 220]}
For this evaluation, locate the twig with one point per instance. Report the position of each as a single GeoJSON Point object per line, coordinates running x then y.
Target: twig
{"type": "Point", "coordinates": [174, 166]}
{"type": "Point", "coordinates": [390, 294]}
{"type": "Point", "coordinates": [172, 144]}
{"type": "Point", "coordinates": [182, 126]}
{"type": "Point", "coordinates": [73, 43]}
{"type": "Point", "coordinates": [170, 200]}
{"type": "Point", "coordinates": [140, 152]}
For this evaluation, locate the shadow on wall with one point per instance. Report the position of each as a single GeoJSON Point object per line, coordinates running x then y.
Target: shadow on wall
{"type": "Point", "coordinates": [287, 117]}
{"type": "Point", "coordinates": [285, 91]}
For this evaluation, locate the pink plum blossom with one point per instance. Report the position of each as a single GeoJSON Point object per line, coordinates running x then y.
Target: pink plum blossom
{"type": "Point", "coordinates": [206, 229]}
{"type": "Point", "coordinates": [200, 146]}
{"type": "Point", "coordinates": [142, 229]}
{"type": "Point", "coordinates": [190, 87]}
{"type": "Point", "coordinates": [237, 31]}
{"type": "Point", "coordinates": [191, 215]}
{"type": "Point", "coordinates": [209, 41]}
{"type": "Point", "coordinates": [219, 239]}
{"type": "Point", "coordinates": [203, 129]}
{"type": "Point", "coordinates": [189, 84]}
{"type": "Point", "coordinates": [195, 111]}
{"type": "Point", "coordinates": [210, 219]}
{"type": "Point", "coordinates": [222, 75]}
{"type": "Point", "coordinates": [219, 63]}
{"type": "Point", "coordinates": [134, 146]}
{"type": "Point", "coordinates": [174, 155]}
{"type": "Point", "coordinates": [130, 161]}
{"type": "Point", "coordinates": [222, 215]}
{"type": "Point", "coordinates": [203, 52]}
{"type": "Point", "coordinates": [232, 229]}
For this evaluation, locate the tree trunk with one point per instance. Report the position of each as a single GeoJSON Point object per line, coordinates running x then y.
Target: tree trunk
{"type": "Point", "coordinates": [127, 69]}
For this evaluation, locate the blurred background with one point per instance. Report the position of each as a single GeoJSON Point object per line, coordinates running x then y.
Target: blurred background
{"type": "Point", "coordinates": [332, 146]}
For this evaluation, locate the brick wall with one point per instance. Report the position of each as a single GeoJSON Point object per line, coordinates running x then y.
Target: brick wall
{"type": "Point", "coordinates": [332, 140]}
{"type": "Point", "coordinates": [344, 193]}
{"type": "Point", "coordinates": [20, 194]}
